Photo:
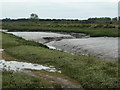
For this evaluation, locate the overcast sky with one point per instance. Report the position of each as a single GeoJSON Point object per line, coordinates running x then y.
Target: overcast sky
{"type": "Point", "coordinates": [68, 9]}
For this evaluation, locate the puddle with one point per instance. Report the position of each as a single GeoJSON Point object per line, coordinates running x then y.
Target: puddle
{"type": "Point", "coordinates": [19, 66]}
{"type": "Point", "coordinates": [1, 30]}
{"type": "Point", "coordinates": [52, 47]}
{"type": "Point", "coordinates": [1, 50]}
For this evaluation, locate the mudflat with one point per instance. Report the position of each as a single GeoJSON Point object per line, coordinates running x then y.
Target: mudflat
{"type": "Point", "coordinates": [102, 47]}
{"type": "Point", "coordinates": [105, 48]}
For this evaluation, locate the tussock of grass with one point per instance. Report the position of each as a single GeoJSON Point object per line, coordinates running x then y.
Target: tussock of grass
{"type": "Point", "coordinates": [90, 72]}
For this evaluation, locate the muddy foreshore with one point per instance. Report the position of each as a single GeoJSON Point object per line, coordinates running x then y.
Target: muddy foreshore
{"type": "Point", "coordinates": [105, 48]}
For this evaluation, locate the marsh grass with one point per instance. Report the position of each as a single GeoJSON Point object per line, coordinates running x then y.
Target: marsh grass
{"type": "Point", "coordinates": [90, 72]}
{"type": "Point", "coordinates": [96, 29]}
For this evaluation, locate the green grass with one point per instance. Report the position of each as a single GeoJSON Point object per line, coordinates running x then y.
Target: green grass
{"type": "Point", "coordinates": [12, 41]}
{"type": "Point", "coordinates": [20, 80]}
{"type": "Point", "coordinates": [97, 29]}
{"type": "Point", "coordinates": [90, 72]}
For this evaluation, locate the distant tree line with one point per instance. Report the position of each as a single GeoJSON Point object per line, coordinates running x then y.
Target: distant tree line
{"type": "Point", "coordinates": [24, 19]}
{"type": "Point", "coordinates": [104, 19]}
{"type": "Point", "coordinates": [90, 19]}
{"type": "Point", "coordinates": [34, 17]}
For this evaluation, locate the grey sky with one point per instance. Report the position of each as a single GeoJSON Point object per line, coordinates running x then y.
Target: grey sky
{"type": "Point", "coordinates": [119, 8]}
{"type": "Point", "coordinates": [76, 9]}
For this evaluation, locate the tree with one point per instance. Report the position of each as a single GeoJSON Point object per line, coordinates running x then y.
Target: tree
{"type": "Point", "coordinates": [119, 18]}
{"type": "Point", "coordinates": [100, 19]}
{"type": "Point", "coordinates": [114, 19]}
{"type": "Point", "coordinates": [34, 16]}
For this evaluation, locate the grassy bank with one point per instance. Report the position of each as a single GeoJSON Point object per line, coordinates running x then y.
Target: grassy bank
{"type": "Point", "coordinates": [12, 41]}
{"type": "Point", "coordinates": [90, 72]}
{"type": "Point", "coordinates": [96, 29]}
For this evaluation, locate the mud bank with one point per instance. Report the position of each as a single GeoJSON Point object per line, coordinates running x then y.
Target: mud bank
{"type": "Point", "coordinates": [42, 37]}
{"type": "Point", "coordinates": [102, 47]}
{"type": "Point", "coordinates": [105, 48]}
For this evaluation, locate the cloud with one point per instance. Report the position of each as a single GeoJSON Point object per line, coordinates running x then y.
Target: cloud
{"type": "Point", "coordinates": [119, 8]}
{"type": "Point", "coordinates": [58, 1]}
{"type": "Point", "coordinates": [54, 9]}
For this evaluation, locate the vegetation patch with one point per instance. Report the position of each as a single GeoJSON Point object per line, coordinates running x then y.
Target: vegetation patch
{"type": "Point", "coordinates": [90, 72]}
{"type": "Point", "coordinates": [92, 28]}
{"type": "Point", "coordinates": [20, 80]}
{"type": "Point", "coordinates": [10, 40]}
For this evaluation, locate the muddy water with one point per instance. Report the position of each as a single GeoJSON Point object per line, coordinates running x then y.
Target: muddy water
{"type": "Point", "coordinates": [19, 66]}
{"type": "Point", "coordinates": [105, 48]}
